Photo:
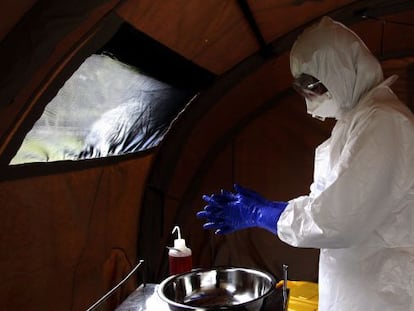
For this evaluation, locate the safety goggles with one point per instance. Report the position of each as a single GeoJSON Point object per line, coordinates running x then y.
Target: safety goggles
{"type": "Point", "coordinates": [308, 86]}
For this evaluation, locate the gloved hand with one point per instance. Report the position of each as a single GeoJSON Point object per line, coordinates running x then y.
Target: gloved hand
{"type": "Point", "coordinates": [228, 212]}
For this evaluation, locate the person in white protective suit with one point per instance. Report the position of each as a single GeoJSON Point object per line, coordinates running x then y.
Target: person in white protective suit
{"type": "Point", "coordinates": [360, 209]}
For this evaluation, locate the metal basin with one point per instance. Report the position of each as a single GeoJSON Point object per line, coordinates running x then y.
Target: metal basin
{"type": "Point", "coordinates": [222, 288]}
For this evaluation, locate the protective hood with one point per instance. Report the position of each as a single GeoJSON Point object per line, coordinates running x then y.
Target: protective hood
{"type": "Point", "coordinates": [336, 56]}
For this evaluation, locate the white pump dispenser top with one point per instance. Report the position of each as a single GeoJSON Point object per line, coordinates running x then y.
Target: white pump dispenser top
{"type": "Point", "coordinates": [179, 243]}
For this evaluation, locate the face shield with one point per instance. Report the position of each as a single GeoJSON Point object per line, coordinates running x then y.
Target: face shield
{"type": "Point", "coordinates": [308, 86]}
{"type": "Point", "coordinates": [319, 102]}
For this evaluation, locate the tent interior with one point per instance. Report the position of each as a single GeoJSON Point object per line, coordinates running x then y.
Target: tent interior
{"type": "Point", "coordinates": [72, 228]}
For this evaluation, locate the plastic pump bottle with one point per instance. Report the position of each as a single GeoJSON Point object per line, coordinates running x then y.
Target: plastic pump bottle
{"type": "Point", "coordinates": [180, 256]}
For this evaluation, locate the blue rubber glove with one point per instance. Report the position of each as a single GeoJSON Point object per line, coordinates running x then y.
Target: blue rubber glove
{"type": "Point", "coordinates": [227, 212]}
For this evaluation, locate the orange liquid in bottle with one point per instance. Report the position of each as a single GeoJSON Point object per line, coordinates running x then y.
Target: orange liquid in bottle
{"type": "Point", "coordinates": [180, 264]}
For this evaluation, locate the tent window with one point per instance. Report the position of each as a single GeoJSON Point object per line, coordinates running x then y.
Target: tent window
{"type": "Point", "coordinates": [110, 106]}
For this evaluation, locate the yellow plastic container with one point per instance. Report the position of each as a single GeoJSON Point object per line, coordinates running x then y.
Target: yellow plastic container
{"type": "Point", "coordinates": [303, 296]}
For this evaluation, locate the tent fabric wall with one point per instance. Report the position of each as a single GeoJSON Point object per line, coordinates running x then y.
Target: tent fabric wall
{"type": "Point", "coordinates": [16, 12]}
{"type": "Point", "coordinates": [69, 235]}
{"type": "Point", "coordinates": [202, 30]}
{"type": "Point", "coordinates": [67, 238]}
{"type": "Point", "coordinates": [180, 169]}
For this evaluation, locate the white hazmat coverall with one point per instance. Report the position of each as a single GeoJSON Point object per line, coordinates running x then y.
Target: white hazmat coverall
{"type": "Point", "coordinates": [360, 209]}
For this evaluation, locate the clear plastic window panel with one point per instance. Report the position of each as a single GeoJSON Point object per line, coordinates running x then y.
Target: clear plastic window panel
{"type": "Point", "coordinates": [105, 108]}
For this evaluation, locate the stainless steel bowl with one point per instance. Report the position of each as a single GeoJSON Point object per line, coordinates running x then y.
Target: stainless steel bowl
{"type": "Point", "coordinates": [222, 288]}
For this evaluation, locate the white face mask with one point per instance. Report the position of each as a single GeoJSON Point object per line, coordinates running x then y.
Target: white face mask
{"type": "Point", "coordinates": [322, 107]}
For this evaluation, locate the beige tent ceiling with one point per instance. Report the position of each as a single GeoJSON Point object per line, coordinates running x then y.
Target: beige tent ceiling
{"type": "Point", "coordinates": [70, 231]}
